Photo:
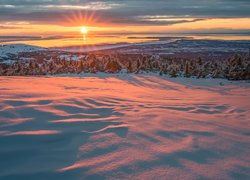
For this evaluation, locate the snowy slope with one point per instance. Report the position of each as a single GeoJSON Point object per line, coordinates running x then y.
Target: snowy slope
{"type": "Point", "coordinates": [5, 50]}
{"type": "Point", "coordinates": [123, 127]}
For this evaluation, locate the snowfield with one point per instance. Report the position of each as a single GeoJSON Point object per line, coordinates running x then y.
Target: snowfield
{"type": "Point", "coordinates": [15, 49]}
{"type": "Point", "coordinates": [117, 126]}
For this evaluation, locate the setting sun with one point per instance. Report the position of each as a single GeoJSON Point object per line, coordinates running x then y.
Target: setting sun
{"type": "Point", "coordinates": [84, 30]}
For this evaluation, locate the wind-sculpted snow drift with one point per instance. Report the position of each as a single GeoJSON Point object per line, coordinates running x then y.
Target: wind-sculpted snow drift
{"type": "Point", "coordinates": [123, 127]}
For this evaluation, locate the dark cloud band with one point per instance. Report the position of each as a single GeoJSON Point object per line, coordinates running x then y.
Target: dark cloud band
{"type": "Point", "coordinates": [122, 12]}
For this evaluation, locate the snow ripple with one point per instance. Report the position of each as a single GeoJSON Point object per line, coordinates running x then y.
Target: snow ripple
{"type": "Point", "coordinates": [123, 127]}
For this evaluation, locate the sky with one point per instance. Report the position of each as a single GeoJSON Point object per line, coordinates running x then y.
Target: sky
{"type": "Point", "coordinates": [65, 17]}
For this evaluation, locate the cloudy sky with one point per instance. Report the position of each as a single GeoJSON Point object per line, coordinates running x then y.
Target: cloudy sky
{"type": "Point", "coordinates": [123, 16]}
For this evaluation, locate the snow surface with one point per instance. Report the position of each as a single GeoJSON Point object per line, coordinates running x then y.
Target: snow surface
{"type": "Point", "coordinates": [170, 46]}
{"type": "Point", "coordinates": [124, 127]}
{"type": "Point", "coordinates": [89, 48]}
{"type": "Point", "coordinates": [18, 48]}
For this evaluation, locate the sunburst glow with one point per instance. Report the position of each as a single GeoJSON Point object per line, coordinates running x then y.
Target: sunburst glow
{"type": "Point", "coordinates": [84, 30]}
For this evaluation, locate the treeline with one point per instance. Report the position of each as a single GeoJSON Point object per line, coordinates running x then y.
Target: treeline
{"type": "Point", "coordinates": [234, 68]}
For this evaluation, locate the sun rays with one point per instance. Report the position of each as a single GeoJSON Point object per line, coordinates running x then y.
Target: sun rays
{"type": "Point", "coordinates": [82, 17]}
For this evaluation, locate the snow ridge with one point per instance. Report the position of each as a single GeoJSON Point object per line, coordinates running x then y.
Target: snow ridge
{"type": "Point", "coordinates": [15, 49]}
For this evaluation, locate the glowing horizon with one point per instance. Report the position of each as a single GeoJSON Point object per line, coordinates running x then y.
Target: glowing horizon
{"type": "Point", "coordinates": [234, 25]}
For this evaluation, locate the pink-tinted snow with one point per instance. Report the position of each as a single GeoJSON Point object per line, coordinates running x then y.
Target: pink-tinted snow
{"type": "Point", "coordinates": [124, 127]}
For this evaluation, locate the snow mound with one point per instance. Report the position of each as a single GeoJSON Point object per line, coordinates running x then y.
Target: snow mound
{"type": "Point", "coordinates": [15, 49]}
